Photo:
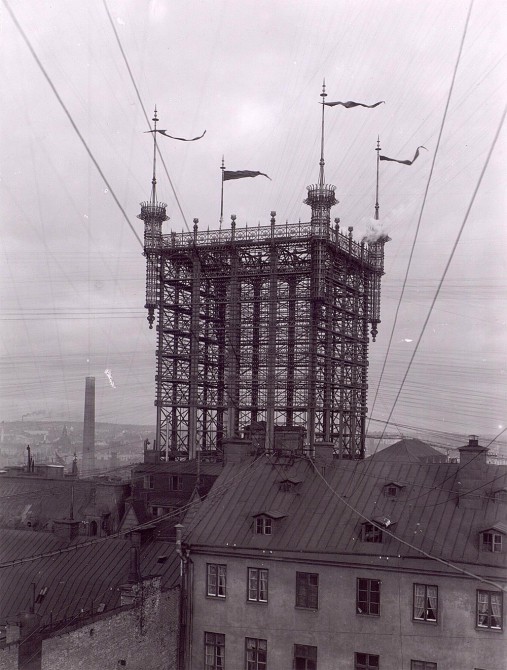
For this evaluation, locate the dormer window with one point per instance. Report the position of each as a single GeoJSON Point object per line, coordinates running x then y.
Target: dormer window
{"type": "Point", "coordinates": [263, 525]}
{"type": "Point", "coordinates": [492, 537]}
{"type": "Point", "coordinates": [371, 533]}
{"type": "Point", "coordinates": [393, 489]}
{"type": "Point", "coordinates": [491, 542]}
{"type": "Point", "coordinates": [264, 522]}
{"type": "Point", "coordinates": [500, 495]}
{"type": "Point", "coordinates": [289, 484]}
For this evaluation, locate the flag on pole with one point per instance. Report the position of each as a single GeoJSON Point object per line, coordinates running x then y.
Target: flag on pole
{"type": "Point", "coordinates": [239, 174]}
{"type": "Point", "coordinates": [182, 139]}
{"type": "Point", "coordinates": [407, 162]}
{"type": "Point", "coordinates": [351, 103]}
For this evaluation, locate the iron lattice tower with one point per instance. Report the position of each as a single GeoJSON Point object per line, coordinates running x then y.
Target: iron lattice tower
{"type": "Point", "coordinates": [266, 324]}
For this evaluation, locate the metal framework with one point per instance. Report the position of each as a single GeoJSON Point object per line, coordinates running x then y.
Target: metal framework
{"type": "Point", "coordinates": [265, 325]}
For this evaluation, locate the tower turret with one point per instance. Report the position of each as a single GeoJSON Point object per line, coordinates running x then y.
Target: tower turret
{"type": "Point", "coordinates": [321, 196]}
{"type": "Point", "coordinates": [153, 213]}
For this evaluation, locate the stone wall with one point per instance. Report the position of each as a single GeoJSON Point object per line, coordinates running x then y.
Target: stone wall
{"type": "Point", "coordinates": [9, 657]}
{"type": "Point", "coordinates": [142, 636]}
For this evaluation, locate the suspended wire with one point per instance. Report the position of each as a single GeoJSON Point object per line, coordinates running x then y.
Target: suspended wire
{"type": "Point", "coordinates": [468, 573]}
{"type": "Point", "coordinates": [451, 256]}
{"type": "Point", "coordinates": [176, 514]}
{"type": "Point", "coordinates": [435, 154]}
{"type": "Point", "coordinates": [69, 117]}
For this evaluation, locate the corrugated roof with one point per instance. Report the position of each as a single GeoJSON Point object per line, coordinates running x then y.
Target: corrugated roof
{"type": "Point", "coordinates": [426, 511]}
{"type": "Point", "coordinates": [75, 581]}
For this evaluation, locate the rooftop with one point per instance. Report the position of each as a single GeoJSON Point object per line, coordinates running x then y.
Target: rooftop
{"type": "Point", "coordinates": [76, 580]}
{"type": "Point", "coordinates": [325, 512]}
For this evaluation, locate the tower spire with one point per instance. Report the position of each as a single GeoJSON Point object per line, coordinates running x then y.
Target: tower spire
{"type": "Point", "coordinates": [321, 196]}
{"type": "Point", "coordinates": [377, 206]}
{"type": "Point", "coordinates": [153, 199]}
{"type": "Point", "coordinates": [153, 214]}
{"type": "Point", "coordinates": [323, 95]}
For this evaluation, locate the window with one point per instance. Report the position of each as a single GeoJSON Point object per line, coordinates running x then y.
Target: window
{"type": "Point", "coordinates": [263, 525]}
{"type": "Point", "coordinates": [366, 662]}
{"type": "Point", "coordinates": [422, 665]}
{"type": "Point", "coordinates": [258, 585]}
{"type": "Point", "coordinates": [215, 580]}
{"type": "Point", "coordinates": [214, 651]}
{"type": "Point", "coordinates": [307, 590]}
{"type": "Point", "coordinates": [491, 542]}
{"type": "Point", "coordinates": [305, 657]}
{"type": "Point", "coordinates": [489, 609]}
{"type": "Point", "coordinates": [175, 483]}
{"type": "Point", "coordinates": [149, 482]}
{"type": "Point", "coordinates": [425, 602]}
{"type": "Point", "coordinates": [368, 596]}
{"type": "Point", "coordinates": [391, 491]}
{"type": "Point", "coordinates": [256, 653]}
{"type": "Point", "coordinates": [500, 495]}
{"type": "Point", "coordinates": [371, 533]}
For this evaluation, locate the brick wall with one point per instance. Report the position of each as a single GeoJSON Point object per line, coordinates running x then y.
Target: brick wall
{"type": "Point", "coordinates": [138, 637]}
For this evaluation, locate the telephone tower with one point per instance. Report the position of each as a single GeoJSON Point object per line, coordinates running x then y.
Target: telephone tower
{"type": "Point", "coordinates": [261, 326]}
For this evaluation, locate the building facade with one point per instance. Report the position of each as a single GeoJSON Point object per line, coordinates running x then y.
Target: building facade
{"type": "Point", "coordinates": [319, 563]}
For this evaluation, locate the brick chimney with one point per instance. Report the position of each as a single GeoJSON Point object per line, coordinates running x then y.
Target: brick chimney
{"type": "Point", "coordinates": [472, 473]}
{"type": "Point", "coordinates": [67, 529]}
{"type": "Point", "coordinates": [324, 452]}
{"type": "Point", "coordinates": [89, 427]}
{"type": "Point", "coordinates": [236, 449]}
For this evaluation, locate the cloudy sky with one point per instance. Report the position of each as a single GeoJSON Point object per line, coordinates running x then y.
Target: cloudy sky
{"type": "Point", "coordinates": [249, 72]}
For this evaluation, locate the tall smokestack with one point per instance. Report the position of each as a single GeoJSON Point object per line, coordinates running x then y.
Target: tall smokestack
{"type": "Point", "coordinates": [89, 427]}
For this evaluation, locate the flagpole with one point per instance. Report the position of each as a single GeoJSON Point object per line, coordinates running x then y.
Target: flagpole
{"type": "Point", "coordinates": [323, 95]}
{"type": "Point", "coordinates": [377, 206]}
{"type": "Point", "coordinates": [222, 194]}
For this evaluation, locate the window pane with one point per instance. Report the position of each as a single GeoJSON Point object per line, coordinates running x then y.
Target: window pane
{"type": "Point", "coordinates": [263, 585]}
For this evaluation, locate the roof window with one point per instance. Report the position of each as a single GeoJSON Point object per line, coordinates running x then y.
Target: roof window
{"type": "Point", "coordinates": [393, 489]}
{"type": "Point", "coordinates": [492, 539]}
{"type": "Point", "coordinates": [289, 484]}
{"type": "Point", "coordinates": [264, 522]}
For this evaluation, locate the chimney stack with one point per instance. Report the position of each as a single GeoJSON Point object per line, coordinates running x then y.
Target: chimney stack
{"type": "Point", "coordinates": [89, 427]}
{"type": "Point", "coordinates": [473, 472]}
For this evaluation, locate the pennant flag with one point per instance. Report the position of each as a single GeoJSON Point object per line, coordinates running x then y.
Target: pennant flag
{"type": "Point", "coordinates": [350, 103]}
{"type": "Point", "coordinates": [239, 174]}
{"type": "Point", "coordinates": [182, 139]}
{"type": "Point", "coordinates": [407, 162]}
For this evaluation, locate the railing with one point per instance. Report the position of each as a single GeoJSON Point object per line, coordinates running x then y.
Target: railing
{"type": "Point", "coordinates": [263, 234]}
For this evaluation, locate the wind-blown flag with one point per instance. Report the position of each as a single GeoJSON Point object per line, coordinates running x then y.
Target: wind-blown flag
{"type": "Point", "coordinates": [239, 174]}
{"type": "Point", "coordinates": [182, 139]}
{"type": "Point", "coordinates": [351, 103]}
{"type": "Point", "coordinates": [407, 162]}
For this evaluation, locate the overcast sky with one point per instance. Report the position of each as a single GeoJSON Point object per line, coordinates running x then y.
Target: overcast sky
{"type": "Point", "coordinates": [249, 72]}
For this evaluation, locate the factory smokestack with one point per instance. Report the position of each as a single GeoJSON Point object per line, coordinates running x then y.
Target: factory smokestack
{"type": "Point", "coordinates": [89, 427]}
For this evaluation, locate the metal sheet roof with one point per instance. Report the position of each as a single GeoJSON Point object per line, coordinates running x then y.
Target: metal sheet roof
{"type": "Point", "coordinates": [426, 511]}
{"type": "Point", "coordinates": [75, 581]}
